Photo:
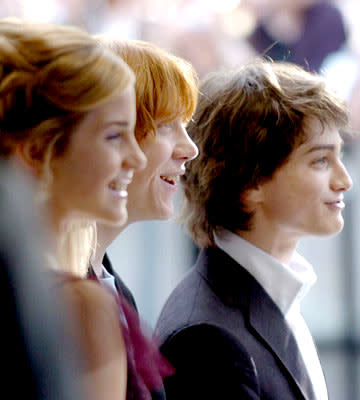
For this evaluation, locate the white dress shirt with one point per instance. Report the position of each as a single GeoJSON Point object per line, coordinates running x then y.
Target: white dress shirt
{"type": "Point", "coordinates": [108, 280]}
{"type": "Point", "coordinates": [286, 285]}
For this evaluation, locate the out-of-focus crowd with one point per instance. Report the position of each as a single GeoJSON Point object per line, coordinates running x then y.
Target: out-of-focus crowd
{"type": "Point", "coordinates": [322, 35]}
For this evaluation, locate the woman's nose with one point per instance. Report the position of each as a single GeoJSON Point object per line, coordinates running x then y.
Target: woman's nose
{"type": "Point", "coordinates": [136, 158]}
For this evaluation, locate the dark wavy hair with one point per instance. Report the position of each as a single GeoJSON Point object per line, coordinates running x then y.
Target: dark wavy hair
{"type": "Point", "coordinates": [247, 123]}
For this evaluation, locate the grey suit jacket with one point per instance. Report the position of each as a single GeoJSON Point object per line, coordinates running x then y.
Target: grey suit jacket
{"type": "Point", "coordinates": [227, 339]}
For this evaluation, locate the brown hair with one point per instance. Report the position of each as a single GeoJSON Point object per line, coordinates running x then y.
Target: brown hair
{"type": "Point", "coordinates": [51, 76]}
{"type": "Point", "coordinates": [166, 85]}
{"type": "Point", "coordinates": [247, 123]}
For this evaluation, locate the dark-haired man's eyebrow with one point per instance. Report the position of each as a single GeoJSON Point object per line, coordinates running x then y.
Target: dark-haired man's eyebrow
{"type": "Point", "coordinates": [330, 147]}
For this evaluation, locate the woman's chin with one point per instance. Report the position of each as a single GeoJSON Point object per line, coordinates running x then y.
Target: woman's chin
{"type": "Point", "coordinates": [116, 220]}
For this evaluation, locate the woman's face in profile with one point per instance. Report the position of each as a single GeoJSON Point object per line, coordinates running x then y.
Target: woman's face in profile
{"type": "Point", "coordinates": [151, 194]}
{"type": "Point", "coordinates": [90, 180]}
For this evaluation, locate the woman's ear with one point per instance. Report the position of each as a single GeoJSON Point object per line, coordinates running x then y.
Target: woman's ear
{"type": "Point", "coordinates": [27, 156]}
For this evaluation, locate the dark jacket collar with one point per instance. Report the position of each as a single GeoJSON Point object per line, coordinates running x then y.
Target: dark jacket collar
{"type": "Point", "coordinates": [236, 287]}
{"type": "Point", "coordinates": [120, 285]}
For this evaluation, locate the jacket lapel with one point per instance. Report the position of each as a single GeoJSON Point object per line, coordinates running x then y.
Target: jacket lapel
{"type": "Point", "coordinates": [277, 334]}
{"type": "Point", "coordinates": [237, 287]}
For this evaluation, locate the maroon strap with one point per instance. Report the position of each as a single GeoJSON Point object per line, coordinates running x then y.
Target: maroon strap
{"type": "Point", "coordinates": [146, 366]}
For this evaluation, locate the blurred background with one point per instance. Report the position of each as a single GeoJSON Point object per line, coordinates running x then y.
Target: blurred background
{"type": "Point", "coordinates": [320, 35]}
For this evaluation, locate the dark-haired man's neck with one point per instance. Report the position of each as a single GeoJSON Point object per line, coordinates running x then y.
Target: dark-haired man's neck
{"type": "Point", "coordinates": [279, 246]}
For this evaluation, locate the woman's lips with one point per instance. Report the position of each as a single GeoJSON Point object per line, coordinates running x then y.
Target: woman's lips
{"type": "Point", "coordinates": [119, 188]}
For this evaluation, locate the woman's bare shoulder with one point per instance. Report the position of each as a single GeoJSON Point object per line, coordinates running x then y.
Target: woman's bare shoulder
{"type": "Point", "coordinates": [89, 294]}
{"type": "Point", "coordinates": [95, 313]}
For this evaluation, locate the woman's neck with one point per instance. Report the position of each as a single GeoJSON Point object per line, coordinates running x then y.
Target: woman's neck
{"type": "Point", "coordinates": [73, 240]}
{"type": "Point", "coordinates": [106, 234]}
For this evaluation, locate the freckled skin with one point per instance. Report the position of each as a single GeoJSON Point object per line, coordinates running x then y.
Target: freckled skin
{"type": "Point", "coordinates": [149, 197]}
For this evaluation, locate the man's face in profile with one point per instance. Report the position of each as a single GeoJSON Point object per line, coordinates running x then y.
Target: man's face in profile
{"type": "Point", "coordinates": [306, 195]}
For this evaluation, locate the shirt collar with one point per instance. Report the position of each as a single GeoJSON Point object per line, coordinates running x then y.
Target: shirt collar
{"type": "Point", "coordinates": [108, 280]}
{"type": "Point", "coordinates": [285, 284]}
{"type": "Point", "coordinates": [105, 273]}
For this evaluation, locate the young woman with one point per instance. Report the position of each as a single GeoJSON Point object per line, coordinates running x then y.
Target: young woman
{"type": "Point", "coordinates": [67, 115]}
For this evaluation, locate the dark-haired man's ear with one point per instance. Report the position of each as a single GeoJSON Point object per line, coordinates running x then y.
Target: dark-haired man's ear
{"type": "Point", "coordinates": [253, 196]}
{"type": "Point", "coordinates": [251, 199]}
{"type": "Point", "coordinates": [25, 155]}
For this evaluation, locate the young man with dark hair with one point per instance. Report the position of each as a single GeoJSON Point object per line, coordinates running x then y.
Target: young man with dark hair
{"type": "Point", "coordinates": [268, 174]}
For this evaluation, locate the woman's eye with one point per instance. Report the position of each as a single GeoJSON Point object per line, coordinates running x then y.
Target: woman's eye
{"type": "Point", "coordinates": [114, 136]}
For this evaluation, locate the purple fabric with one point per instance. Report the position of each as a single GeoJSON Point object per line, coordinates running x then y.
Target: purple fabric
{"type": "Point", "coordinates": [146, 366]}
{"type": "Point", "coordinates": [324, 33]}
